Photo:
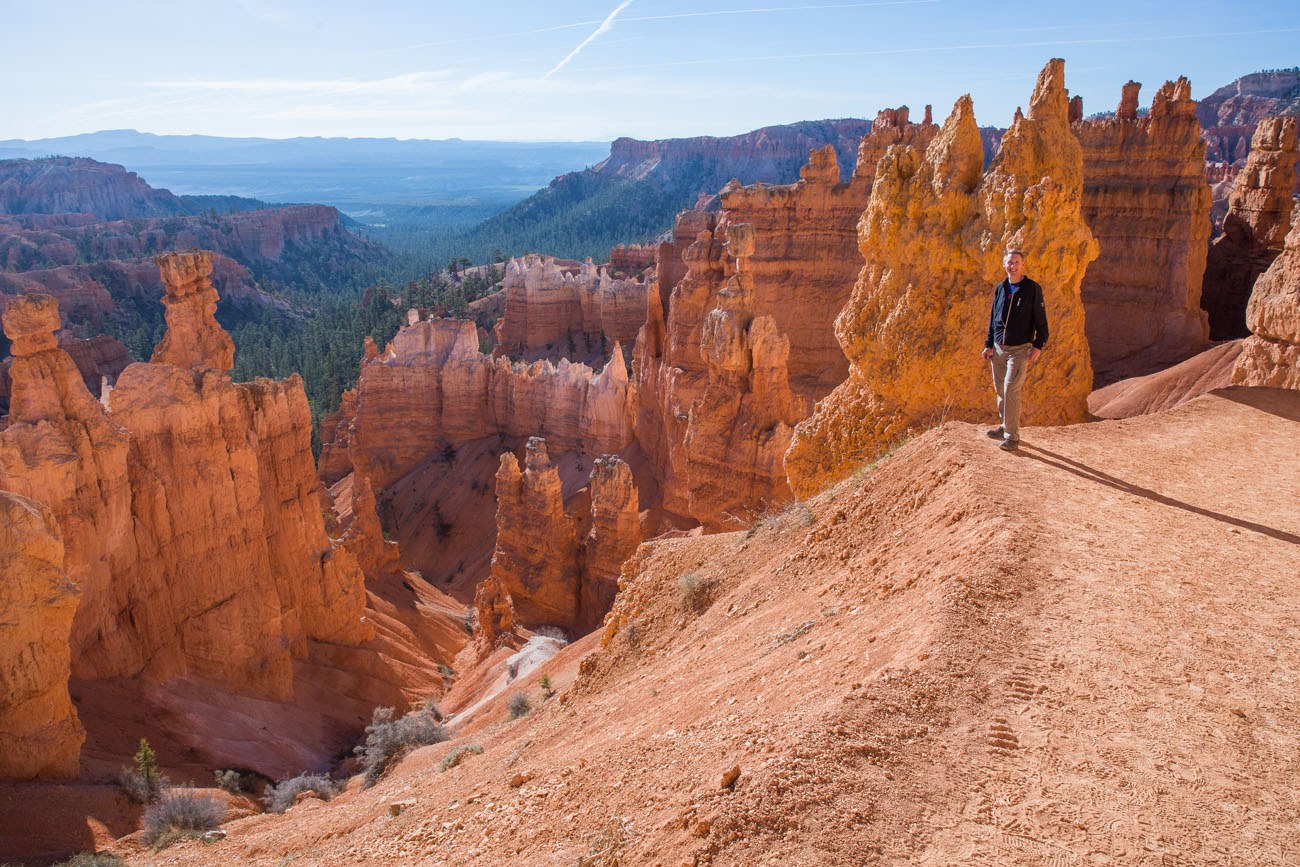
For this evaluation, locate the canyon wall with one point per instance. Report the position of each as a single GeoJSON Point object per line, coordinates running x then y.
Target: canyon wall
{"type": "Point", "coordinates": [1145, 199]}
{"type": "Point", "coordinates": [1271, 355]}
{"type": "Point", "coordinates": [933, 237]}
{"type": "Point", "coordinates": [432, 387]}
{"type": "Point", "coordinates": [739, 348]}
{"type": "Point", "coordinates": [1254, 231]}
{"type": "Point", "coordinates": [575, 313]}
{"type": "Point", "coordinates": [40, 734]}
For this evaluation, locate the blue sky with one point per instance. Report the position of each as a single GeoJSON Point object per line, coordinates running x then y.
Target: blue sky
{"type": "Point", "coordinates": [568, 70]}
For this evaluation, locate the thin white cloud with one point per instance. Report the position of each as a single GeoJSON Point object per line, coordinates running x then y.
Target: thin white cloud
{"type": "Point", "coordinates": [264, 10]}
{"type": "Point", "coordinates": [767, 9]}
{"type": "Point", "coordinates": [604, 26]}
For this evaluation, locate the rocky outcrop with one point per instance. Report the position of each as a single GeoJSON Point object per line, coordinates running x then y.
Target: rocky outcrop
{"type": "Point", "coordinates": [536, 556]}
{"type": "Point", "coordinates": [1230, 114]}
{"type": "Point", "coordinates": [1254, 231]}
{"type": "Point", "coordinates": [432, 387]}
{"type": "Point", "coordinates": [194, 529]}
{"type": "Point", "coordinates": [567, 312]}
{"type": "Point", "coordinates": [40, 734]}
{"type": "Point", "coordinates": [614, 536]}
{"type": "Point", "coordinates": [193, 338]}
{"type": "Point", "coordinates": [933, 237]}
{"type": "Point", "coordinates": [61, 449]}
{"type": "Point", "coordinates": [744, 346]}
{"type": "Point", "coordinates": [1271, 355]}
{"type": "Point", "coordinates": [1145, 199]}
{"type": "Point", "coordinates": [550, 570]}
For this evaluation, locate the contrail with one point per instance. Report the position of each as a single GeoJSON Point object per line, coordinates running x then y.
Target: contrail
{"type": "Point", "coordinates": [604, 26]}
{"type": "Point", "coordinates": [710, 14]}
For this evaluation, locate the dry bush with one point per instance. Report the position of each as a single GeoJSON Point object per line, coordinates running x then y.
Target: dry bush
{"type": "Point", "coordinates": [284, 794]}
{"type": "Point", "coordinates": [89, 859]}
{"type": "Point", "coordinates": [519, 705]}
{"type": "Point", "coordinates": [457, 755]}
{"type": "Point", "coordinates": [386, 738]}
{"type": "Point", "coordinates": [179, 812]}
{"type": "Point", "coordinates": [694, 592]}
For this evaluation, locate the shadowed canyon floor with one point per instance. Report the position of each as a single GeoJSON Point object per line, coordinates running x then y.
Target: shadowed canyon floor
{"type": "Point", "coordinates": [1081, 653]}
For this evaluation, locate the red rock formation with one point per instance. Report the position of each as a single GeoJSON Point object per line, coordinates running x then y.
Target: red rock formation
{"type": "Point", "coordinates": [1145, 198]}
{"type": "Point", "coordinates": [545, 571]}
{"type": "Point", "coordinates": [40, 734]}
{"type": "Point", "coordinates": [552, 311]}
{"type": "Point", "coordinates": [745, 346]}
{"type": "Point", "coordinates": [1254, 232]}
{"type": "Point", "coordinates": [61, 449]}
{"type": "Point", "coordinates": [933, 238]}
{"type": "Point", "coordinates": [1271, 355]}
{"type": "Point", "coordinates": [99, 358]}
{"type": "Point", "coordinates": [632, 258]}
{"type": "Point", "coordinates": [494, 624]}
{"type": "Point", "coordinates": [614, 536]}
{"type": "Point", "coordinates": [433, 387]}
{"type": "Point", "coordinates": [193, 338]}
{"type": "Point", "coordinates": [536, 555]}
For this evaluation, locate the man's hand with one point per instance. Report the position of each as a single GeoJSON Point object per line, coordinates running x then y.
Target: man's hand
{"type": "Point", "coordinates": [1034, 353]}
{"type": "Point", "coordinates": [987, 353]}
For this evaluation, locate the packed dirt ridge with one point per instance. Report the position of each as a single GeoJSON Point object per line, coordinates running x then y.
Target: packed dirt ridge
{"type": "Point", "coordinates": [1080, 653]}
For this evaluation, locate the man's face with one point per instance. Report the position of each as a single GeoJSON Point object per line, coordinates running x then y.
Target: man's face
{"type": "Point", "coordinates": [1015, 265]}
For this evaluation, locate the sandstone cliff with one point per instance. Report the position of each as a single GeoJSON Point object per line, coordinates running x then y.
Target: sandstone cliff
{"type": "Point", "coordinates": [1271, 355]}
{"type": "Point", "coordinates": [933, 237]}
{"type": "Point", "coordinates": [1145, 199]}
{"type": "Point", "coordinates": [40, 734]}
{"type": "Point", "coordinates": [79, 185]}
{"type": "Point", "coordinates": [432, 387]}
{"type": "Point", "coordinates": [565, 312]}
{"type": "Point", "coordinates": [1254, 231]}
{"type": "Point", "coordinates": [743, 346]}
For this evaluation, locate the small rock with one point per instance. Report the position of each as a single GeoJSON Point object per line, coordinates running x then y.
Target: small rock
{"type": "Point", "coordinates": [730, 777]}
{"type": "Point", "coordinates": [213, 835]}
{"type": "Point", "coordinates": [398, 807]}
{"type": "Point", "coordinates": [519, 779]}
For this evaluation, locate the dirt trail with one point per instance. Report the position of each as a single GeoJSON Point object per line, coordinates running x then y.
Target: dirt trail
{"type": "Point", "coordinates": [1081, 653]}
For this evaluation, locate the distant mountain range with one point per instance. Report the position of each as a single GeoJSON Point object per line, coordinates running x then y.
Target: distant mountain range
{"type": "Point", "coordinates": [369, 179]}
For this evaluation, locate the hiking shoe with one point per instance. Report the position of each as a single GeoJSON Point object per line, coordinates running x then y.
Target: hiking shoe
{"type": "Point", "coordinates": [1009, 445]}
{"type": "Point", "coordinates": [995, 433]}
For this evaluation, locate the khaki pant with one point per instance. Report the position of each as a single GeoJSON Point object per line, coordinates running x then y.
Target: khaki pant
{"type": "Point", "coordinates": [1009, 365]}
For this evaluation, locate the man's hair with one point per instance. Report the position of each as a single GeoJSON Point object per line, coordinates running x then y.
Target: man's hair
{"type": "Point", "coordinates": [1013, 252]}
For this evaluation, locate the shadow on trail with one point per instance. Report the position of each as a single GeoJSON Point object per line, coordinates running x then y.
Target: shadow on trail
{"type": "Point", "coordinates": [1083, 471]}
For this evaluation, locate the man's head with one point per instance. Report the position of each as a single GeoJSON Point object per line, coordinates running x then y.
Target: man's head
{"type": "Point", "coordinates": [1014, 263]}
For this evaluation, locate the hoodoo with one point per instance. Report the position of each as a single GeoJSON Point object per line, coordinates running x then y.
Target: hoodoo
{"type": "Point", "coordinates": [933, 237]}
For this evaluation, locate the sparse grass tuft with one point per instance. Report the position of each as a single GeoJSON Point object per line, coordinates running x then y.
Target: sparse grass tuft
{"type": "Point", "coordinates": [284, 794]}
{"type": "Point", "coordinates": [179, 813]}
{"type": "Point", "coordinates": [388, 738]}
{"type": "Point", "coordinates": [455, 757]}
{"type": "Point", "coordinates": [519, 705]}
{"type": "Point", "coordinates": [86, 859]}
{"type": "Point", "coordinates": [695, 592]}
{"type": "Point", "coordinates": [603, 850]}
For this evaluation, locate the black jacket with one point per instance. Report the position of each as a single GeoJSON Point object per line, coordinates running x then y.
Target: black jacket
{"type": "Point", "coordinates": [1023, 320]}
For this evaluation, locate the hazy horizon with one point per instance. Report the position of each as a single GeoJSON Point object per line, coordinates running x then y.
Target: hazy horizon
{"type": "Point", "coordinates": [595, 71]}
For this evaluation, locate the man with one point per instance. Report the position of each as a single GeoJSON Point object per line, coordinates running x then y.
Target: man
{"type": "Point", "coordinates": [1017, 335]}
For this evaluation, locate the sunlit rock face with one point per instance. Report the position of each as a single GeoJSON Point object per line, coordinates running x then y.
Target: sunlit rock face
{"type": "Point", "coordinates": [739, 345]}
{"type": "Point", "coordinates": [1271, 355]}
{"type": "Point", "coordinates": [40, 734]}
{"type": "Point", "coordinates": [1146, 200]}
{"type": "Point", "coordinates": [1254, 232]}
{"type": "Point", "coordinates": [933, 238]}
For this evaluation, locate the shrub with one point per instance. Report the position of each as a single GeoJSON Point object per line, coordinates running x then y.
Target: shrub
{"type": "Point", "coordinates": [548, 689]}
{"type": "Point", "coordinates": [694, 592]}
{"type": "Point", "coordinates": [284, 794]}
{"type": "Point", "coordinates": [386, 738]}
{"type": "Point", "coordinates": [519, 705]}
{"type": "Point", "coordinates": [179, 813]}
{"type": "Point", "coordinates": [229, 781]}
{"type": "Point", "coordinates": [455, 756]}
{"type": "Point", "coordinates": [91, 859]}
